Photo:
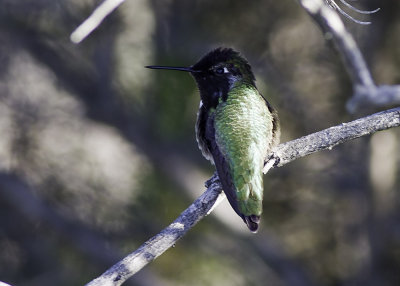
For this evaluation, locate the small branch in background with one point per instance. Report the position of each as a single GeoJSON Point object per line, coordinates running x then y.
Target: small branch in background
{"type": "Point", "coordinates": [332, 25]}
{"type": "Point", "coordinates": [365, 91]}
{"type": "Point", "coordinates": [94, 20]}
{"type": "Point", "coordinates": [335, 6]}
{"type": "Point", "coordinates": [381, 96]}
{"type": "Point", "coordinates": [283, 154]}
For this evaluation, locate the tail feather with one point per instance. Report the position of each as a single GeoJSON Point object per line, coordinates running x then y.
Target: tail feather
{"type": "Point", "coordinates": [252, 222]}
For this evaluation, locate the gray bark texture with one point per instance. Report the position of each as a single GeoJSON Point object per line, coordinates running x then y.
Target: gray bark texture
{"type": "Point", "coordinates": [329, 138]}
{"type": "Point", "coordinates": [159, 243]}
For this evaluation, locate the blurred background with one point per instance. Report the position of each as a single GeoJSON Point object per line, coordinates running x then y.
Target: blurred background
{"type": "Point", "coordinates": [98, 154]}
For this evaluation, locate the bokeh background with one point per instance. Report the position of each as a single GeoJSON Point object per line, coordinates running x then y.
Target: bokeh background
{"type": "Point", "coordinates": [98, 154]}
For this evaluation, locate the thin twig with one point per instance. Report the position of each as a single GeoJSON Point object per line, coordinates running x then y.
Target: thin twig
{"type": "Point", "coordinates": [335, 6]}
{"type": "Point", "coordinates": [94, 20]}
{"type": "Point", "coordinates": [283, 154]}
{"type": "Point", "coordinates": [366, 12]}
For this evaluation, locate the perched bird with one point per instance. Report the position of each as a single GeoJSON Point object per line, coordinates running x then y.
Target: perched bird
{"type": "Point", "coordinates": [236, 128]}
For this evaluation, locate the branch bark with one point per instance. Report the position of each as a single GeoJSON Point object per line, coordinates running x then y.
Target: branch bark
{"type": "Point", "coordinates": [329, 138]}
{"type": "Point", "coordinates": [283, 154]}
{"type": "Point", "coordinates": [159, 243]}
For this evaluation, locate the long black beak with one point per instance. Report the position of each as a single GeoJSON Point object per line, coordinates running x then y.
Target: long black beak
{"type": "Point", "coordinates": [189, 69]}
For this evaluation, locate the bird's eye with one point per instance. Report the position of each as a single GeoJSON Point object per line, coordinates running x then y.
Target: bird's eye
{"type": "Point", "coordinates": [220, 70]}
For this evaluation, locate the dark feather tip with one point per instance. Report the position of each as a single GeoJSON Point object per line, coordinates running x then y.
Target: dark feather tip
{"type": "Point", "coordinates": [252, 222]}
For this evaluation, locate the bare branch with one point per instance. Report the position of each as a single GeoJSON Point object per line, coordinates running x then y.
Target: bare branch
{"type": "Point", "coordinates": [383, 95]}
{"type": "Point", "coordinates": [94, 20]}
{"type": "Point", "coordinates": [283, 154]}
{"type": "Point", "coordinates": [365, 90]}
{"type": "Point", "coordinates": [329, 138]}
{"type": "Point", "coordinates": [331, 24]}
{"type": "Point", "coordinates": [158, 244]}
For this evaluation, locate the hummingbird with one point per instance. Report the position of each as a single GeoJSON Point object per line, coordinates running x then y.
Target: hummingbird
{"type": "Point", "coordinates": [236, 128]}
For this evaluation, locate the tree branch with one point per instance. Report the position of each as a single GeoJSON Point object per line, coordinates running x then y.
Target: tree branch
{"type": "Point", "coordinates": [329, 138]}
{"type": "Point", "coordinates": [159, 243]}
{"type": "Point", "coordinates": [94, 20]}
{"type": "Point", "coordinates": [383, 95]}
{"type": "Point", "coordinates": [331, 24]}
{"type": "Point", "coordinates": [364, 88]}
{"type": "Point", "coordinates": [283, 154]}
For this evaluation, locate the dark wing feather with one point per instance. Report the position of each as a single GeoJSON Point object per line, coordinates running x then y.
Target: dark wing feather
{"type": "Point", "coordinates": [221, 164]}
{"type": "Point", "coordinates": [205, 134]}
{"type": "Point", "coordinates": [201, 132]}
